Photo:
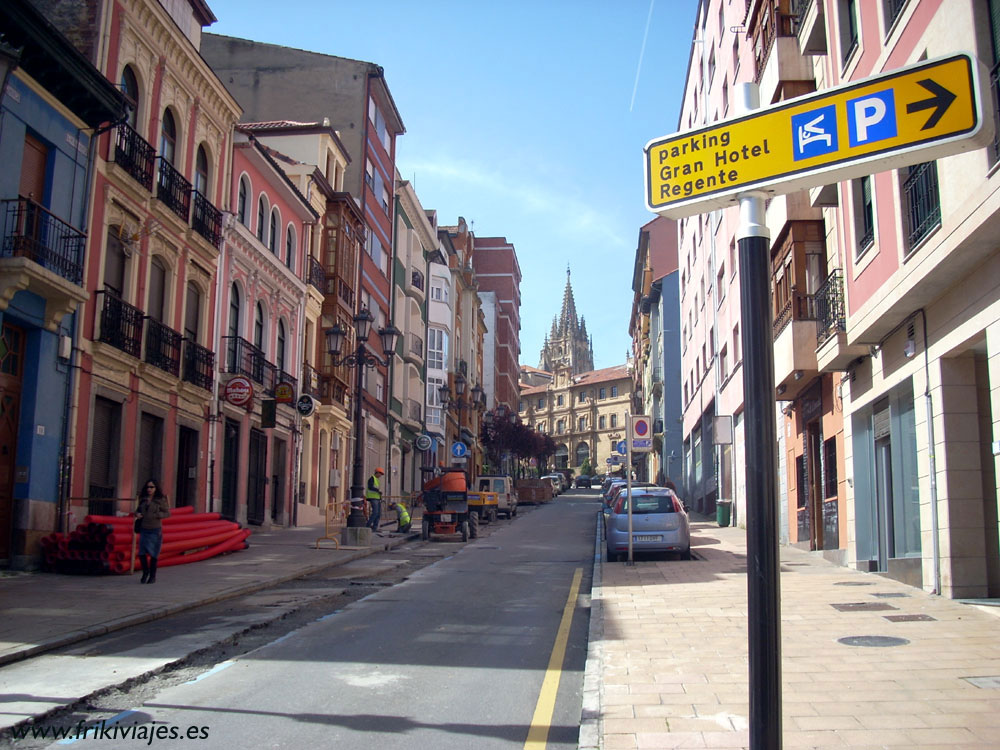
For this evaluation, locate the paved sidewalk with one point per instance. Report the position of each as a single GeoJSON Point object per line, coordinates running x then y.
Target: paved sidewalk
{"type": "Point", "coordinates": [43, 611]}
{"type": "Point", "coordinates": [670, 645]}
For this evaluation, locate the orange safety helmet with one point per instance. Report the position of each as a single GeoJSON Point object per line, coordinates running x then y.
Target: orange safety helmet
{"type": "Point", "coordinates": [380, 470]}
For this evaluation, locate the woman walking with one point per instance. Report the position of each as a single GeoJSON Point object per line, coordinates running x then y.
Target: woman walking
{"type": "Point", "coordinates": [152, 509]}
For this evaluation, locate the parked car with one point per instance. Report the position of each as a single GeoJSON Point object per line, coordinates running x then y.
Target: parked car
{"type": "Point", "coordinates": [552, 482]}
{"type": "Point", "coordinates": [618, 488]}
{"type": "Point", "coordinates": [583, 481]}
{"type": "Point", "coordinates": [558, 481]}
{"type": "Point", "coordinates": [659, 524]}
{"type": "Point", "coordinates": [504, 487]}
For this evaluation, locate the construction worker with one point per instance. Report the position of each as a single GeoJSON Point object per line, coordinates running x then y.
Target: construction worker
{"type": "Point", "coordinates": [403, 515]}
{"type": "Point", "coordinates": [374, 496]}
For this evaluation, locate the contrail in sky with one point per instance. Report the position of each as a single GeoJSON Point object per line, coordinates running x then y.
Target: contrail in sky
{"type": "Point", "coordinates": [642, 51]}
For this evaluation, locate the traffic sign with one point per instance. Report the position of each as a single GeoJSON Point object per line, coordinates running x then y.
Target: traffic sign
{"type": "Point", "coordinates": [621, 447]}
{"type": "Point", "coordinates": [641, 435]}
{"type": "Point", "coordinates": [911, 115]}
{"type": "Point", "coordinates": [459, 449]}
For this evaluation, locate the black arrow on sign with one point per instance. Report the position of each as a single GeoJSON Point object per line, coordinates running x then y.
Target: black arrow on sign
{"type": "Point", "coordinates": [940, 102]}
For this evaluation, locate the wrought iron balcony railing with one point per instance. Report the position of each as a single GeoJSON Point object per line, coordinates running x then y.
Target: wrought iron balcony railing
{"type": "Point", "coordinates": [163, 346]}
{"type": "Point", "coordinates": [417, 280]}
{"type": "Point", "coordinates": [243, 358]}
{"type": "Point", "coordinates": [317, 276]}
{"type": "Point", "coordinates": [134, 155]}
{"type": "Point", "coordinates": [199, 365]}
{"type": "Point", "coordinates": [121, 324]}
{"type": "Point", "coordinates": [830, 317]}
{"type": "Point", "coordinates": [173, 190]}
{"type": "Point", "coordinates": [416, 345]}
{"type": "Point", "coordinates": [206, 219]}
{"type": "Point", "coordinates": [30, 231]}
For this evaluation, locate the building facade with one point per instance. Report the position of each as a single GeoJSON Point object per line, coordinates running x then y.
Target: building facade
{"type": "Point", "coordinates": [52, 101]}
{"type": "Point", "coordinates": [499, 276]}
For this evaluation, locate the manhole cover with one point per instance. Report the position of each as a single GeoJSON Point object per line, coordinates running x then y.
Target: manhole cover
{"type": "Point", "coordinates": [910, 618]}
{"type": "Point", "coordinates": [893, 595]}
{"type": "Point", "coordinates": [854, 583]}
{"type": "Point", "coordinates": [872, 641]}
{"type": "Point", "coordinates": [863, 607]}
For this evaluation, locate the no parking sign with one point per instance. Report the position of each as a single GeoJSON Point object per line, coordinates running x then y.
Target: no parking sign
{"type": "Point", "coordinates": [641, 435]}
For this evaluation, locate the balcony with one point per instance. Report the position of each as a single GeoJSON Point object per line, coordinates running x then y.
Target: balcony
{"type": "Point", "coordinates": [199, 365]}
{"type": "Point", "coordinates": [316, 274]}
{"type": "Point", "coordinates": [134, 155]}
{"type": "Point", "coordinates": [811, 22]}
{"type": "Point", "coordinates": [795, 345]}
{"type": "Point", "coordinates": [778, 62]}
{"type": "Point", "coordinates": [312, 381]}
{"type": "Point", "coordinates": [345, 293]}
{"type": "Point", "coordinates": [283, 377]}
{"type": "Point", "coordinates": [412, 410]}
{"type": "Point", "coordinates": [415, 348]}
{"type": "Point", "coordinates": [417, 280]}
{"type": "Point", "coordinates": [832, 352]}
{"type": "Point", "coordinates": [173, 190]}
{"type": "Point", "coordinates": [30, 231]}
{"type": "Point", "coordinates": [206, 220]}
{"type": "Point", "coordinates": [243, 358]}
{"type": "Point", "coordinates": [163, 346]}
{"type": "Point", "coordinates": [121, 324]}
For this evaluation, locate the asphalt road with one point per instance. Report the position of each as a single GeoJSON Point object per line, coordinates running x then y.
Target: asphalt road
{"type": "Point", "coordinates": [467, 652]}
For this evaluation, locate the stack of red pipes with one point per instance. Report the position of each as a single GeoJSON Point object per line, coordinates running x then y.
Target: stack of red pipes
{"type": "Point", "coordinates": [104, 544]}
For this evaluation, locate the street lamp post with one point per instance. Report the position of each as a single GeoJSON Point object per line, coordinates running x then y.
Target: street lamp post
{"type": "Point", "coordinates": [359, 359]}
{"type": "Point", "coordinates": [477, 399]}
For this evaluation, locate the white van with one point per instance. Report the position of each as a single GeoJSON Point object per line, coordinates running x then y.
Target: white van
{"type": "Point", "coordinates": [504, 487]}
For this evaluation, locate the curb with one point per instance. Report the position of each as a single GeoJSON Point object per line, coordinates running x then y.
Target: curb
{"type": "Point", "coordinates": [159, 613]}
{"type": "Point", "coordinates": [591, 726]}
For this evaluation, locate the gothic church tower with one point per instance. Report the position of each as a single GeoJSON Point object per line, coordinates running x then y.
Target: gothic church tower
{"type": "Point", "coordinates": [567, 345]}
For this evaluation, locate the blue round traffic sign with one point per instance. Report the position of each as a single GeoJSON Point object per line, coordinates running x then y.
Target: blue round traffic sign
{"type": "Point", "coordinates": [459, 449]}
{"type": "Point", "coordinates": [621, 447]}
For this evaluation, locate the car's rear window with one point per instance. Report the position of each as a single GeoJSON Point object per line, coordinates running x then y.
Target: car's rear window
{"type": "Point", "coordinates": [651, 504]}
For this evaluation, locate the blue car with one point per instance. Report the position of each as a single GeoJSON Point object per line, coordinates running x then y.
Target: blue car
{"type": "Point", "coordinates": [659, 524]}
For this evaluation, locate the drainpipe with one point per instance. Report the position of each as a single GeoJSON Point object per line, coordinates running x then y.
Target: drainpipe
{"type": "Point", "coordinates": [932, 464]}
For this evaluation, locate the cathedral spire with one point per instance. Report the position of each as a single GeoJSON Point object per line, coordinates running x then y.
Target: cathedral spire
{"type": "Point", "coordinates": [568, 344]}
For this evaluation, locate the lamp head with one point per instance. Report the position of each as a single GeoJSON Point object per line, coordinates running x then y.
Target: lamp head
{"type": "Point", "coordinates": [335, 339]}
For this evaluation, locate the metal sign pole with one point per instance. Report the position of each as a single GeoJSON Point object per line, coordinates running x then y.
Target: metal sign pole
{"type": "Point", "coordinates": [763, 583]}
{"type": "Point", "coordinates": [628, 482]}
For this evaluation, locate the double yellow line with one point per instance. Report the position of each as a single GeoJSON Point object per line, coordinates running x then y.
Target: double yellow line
{"type": "Point", "coordinates": [541, 721]}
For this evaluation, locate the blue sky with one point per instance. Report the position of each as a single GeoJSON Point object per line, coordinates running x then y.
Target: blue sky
{"type": "Point", "coordinates": [527, 117]}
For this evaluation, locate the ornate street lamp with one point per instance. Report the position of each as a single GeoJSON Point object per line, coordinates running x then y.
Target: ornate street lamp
{"type": "Point", "coordinates": [359, 359]}
{"type": "Point", "coordinates": [476, 400]}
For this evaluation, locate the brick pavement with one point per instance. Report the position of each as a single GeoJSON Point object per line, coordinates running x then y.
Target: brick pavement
{"type": "Point", "coordinates": [671, 649]}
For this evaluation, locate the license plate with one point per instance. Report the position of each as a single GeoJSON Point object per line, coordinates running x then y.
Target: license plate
{"type": "Point", "coordinates": [445, 517]}
{"type": "Point", "coordinates": [646, 538]}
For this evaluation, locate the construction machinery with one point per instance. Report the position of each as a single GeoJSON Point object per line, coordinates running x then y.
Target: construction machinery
{"type": "Point", "coordinates": [445, 499]}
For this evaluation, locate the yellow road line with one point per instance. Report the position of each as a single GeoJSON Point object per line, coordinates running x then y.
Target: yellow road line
{"type": "Point", "coordinates": [541, 721]}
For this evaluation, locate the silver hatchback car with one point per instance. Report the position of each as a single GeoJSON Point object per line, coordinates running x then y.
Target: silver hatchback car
{"type": "Point", "coordinates": [659, 524]}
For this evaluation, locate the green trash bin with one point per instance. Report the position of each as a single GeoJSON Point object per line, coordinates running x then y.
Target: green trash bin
{"type": "Point", "coordinates": [723, 509]}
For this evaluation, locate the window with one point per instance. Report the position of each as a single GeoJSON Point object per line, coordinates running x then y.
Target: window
{"type": "Point", "coordinates": [168, 137]}
{"type": "Point", "coordinates": [258, 327]}
{"type": "Point", "coordinates": [381, 130]}
{"type": "Point", "coordinates": [732, 257]}
{"type": "Point", "coordinates": [192, 312]}
{"type": "Point", "coordinates": [614, 391]}
{"type": "Point", "coordinates": [130, 87]}
{"type": "Point", "coordinates": [602, 422]}
{"type": "Point", "coordinates": [541, 402]}
{"type": "Point", "coordinates": [581, 396]}
{"type": "Point", "coordinates": [201, 171]}
{"type": "Point", "coordinates": [234, 326]}
{"type": "Point", "coordinates": [891, 9]}
{"type": "Point", "coordinates": [614, 421]}
{"type": "Point", "coordinates": [602, 393]}
{"type": "Point", "coordinates": [370, 175]}
{"type": "Point", "coordinates": [385, 200]}
{"type": "Point", "coordinates": [273, 231]}
{"type": "Point", "coordinates": [261, 213]}
{"type": "Point", "coordinates": [439, 289]}
{"type": "Point", "coordinates": [711, 66]}
{"type": "Point", "coordinates": [582, 453]}
{"type": "Point", "coordinates": [241, 202]}
{"type": "Point", "coordinates": [921, 201]}
{"type": "Point", "coordinates": [864, 214]}
{"type": "Point", "coordinates": [290, 246]}
{"type": "Point", "coordinates": [736, 343]}
{"type": "Point", "coordinates": [724, 363]}
{"type": "Point", "coordinates": [581, 424]}
{"type": "Point", "coordinates": [830, 468]}
{"type": "Point", "coordinates": [559, 400]}
{"type": "Point", "coordinates": [437, 348]}
{"type": "Point", "coordinates": [114, 263]}
{"type": "Point", "coordinates": [848, 28]}
{"type": "Point", "coordinates": [434, 400]}
{"type": "Point", "coordinates": [374, 248]}
{"type": "Point", "coordinates": [280, 352]}
{"type": "Point", "coordinates": [720, 284]}
{"type": "Point", "coordinates": [560, 427]}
